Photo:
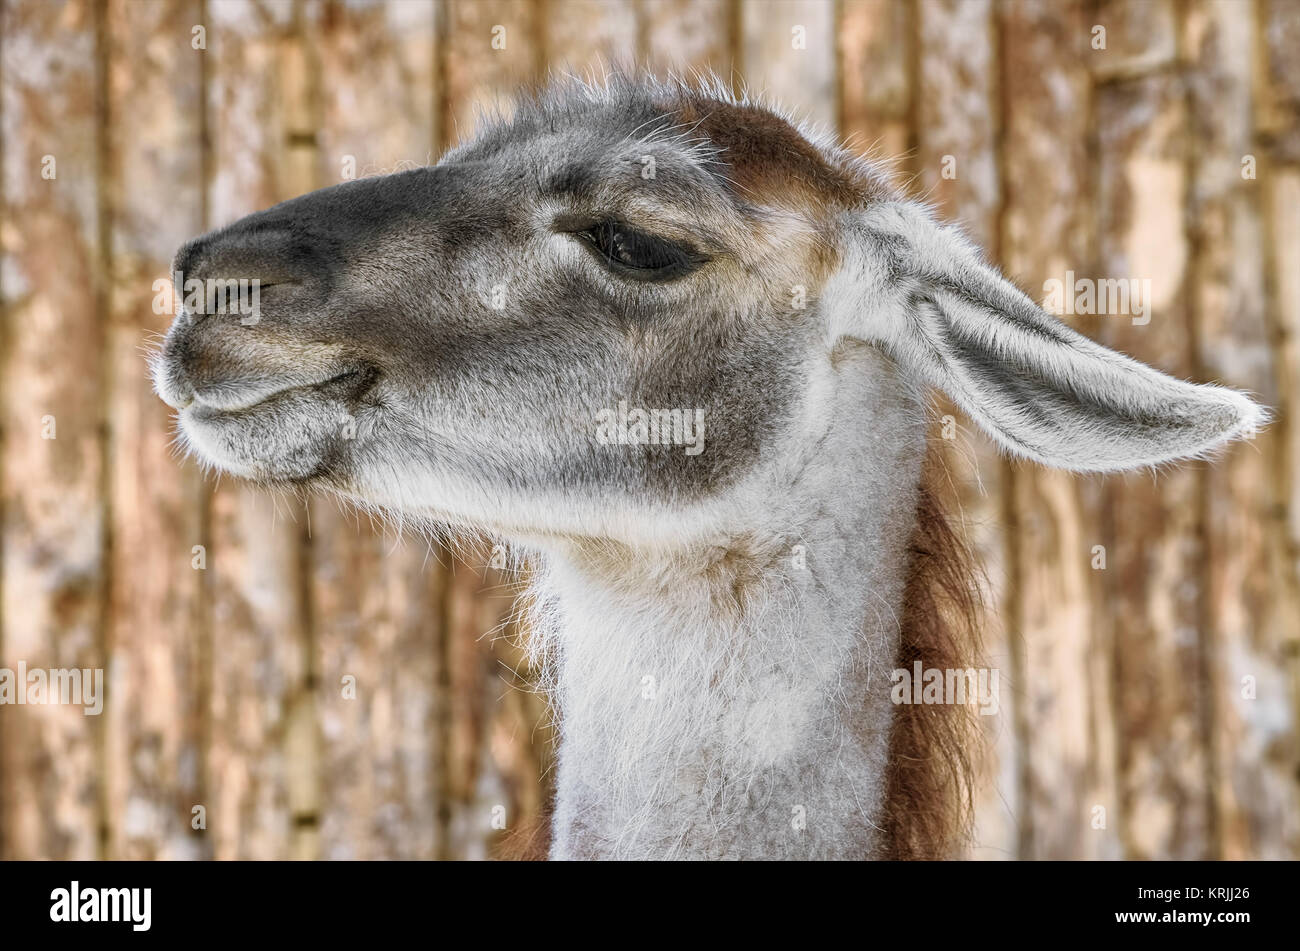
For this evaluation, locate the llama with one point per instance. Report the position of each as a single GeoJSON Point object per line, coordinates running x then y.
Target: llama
{"type": "Point", "coordinates": [513, 342]}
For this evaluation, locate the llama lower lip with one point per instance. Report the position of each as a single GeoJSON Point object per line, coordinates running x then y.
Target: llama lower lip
{"type": "Point", "coordinates": [348, 385]}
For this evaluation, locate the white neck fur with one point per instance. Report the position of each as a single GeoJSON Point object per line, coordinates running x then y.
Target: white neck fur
{"type": "Point", "coordinates": [730, 697]}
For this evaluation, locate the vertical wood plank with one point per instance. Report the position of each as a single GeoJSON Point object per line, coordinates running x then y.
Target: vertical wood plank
{"type": "Point", "coordinates": [1227, 310]}
{"type": "Point", "coordinates": [53, 535]}
{"type": "Point", "coordinates": [956, 122]}
{"type": "Point", "coordinates": [1252, 787]}
{"type": "Point", "coordinates": [300, 153]}
{"type": "Point", "coordinates": [375, 599]}
{"type": "Point", "coordinates": [1151, 584]}
{"type": "Point", "coordinates": [261, 654]}
{"type": "Point", "coordinates": [788, 57]}
{"type": "Point", "coordinates": [1275, 736]}
{"type": "Point", "coordinates": [1046, 231]}
{"type": "Point", "coordinates": [495, 753]}
{"type": "Point", "coordinates": [956, 113]}
{"type": "Point", "coordinates": [374, 594]}
{"type": "Point", "coordinates": [8, 766]}
{"type": "Point", "coordinates": [1283, 230]}
{"type": "Point", "coordinates": [686, 36]}
{"type": "Point", "coordinates": [875, 47]}
{"type": "Point", "coordinates": [154, 726]}
{"type": "Point", "coordinates": [1140, 37]}
{"type": "Point", "coordinates": [477, 75]}
{"type": "Point", "coordinates": [587, 37]}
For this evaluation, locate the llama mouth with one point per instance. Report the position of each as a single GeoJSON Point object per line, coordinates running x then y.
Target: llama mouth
{"type": "Point", "coordinates": [346, 386]}
{"type": "Point", "coordinates": [294, 434]}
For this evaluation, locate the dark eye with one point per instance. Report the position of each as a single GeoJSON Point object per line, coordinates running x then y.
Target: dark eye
{"type": "Point", "coordinates": [637, 254]}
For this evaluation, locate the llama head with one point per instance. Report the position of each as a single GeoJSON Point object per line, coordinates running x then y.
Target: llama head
{"type": "Point", "coordinates": [616, 303]}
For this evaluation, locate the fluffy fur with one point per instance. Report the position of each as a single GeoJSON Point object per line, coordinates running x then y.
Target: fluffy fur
{"type": "Point", "coordinates": [437, 345]}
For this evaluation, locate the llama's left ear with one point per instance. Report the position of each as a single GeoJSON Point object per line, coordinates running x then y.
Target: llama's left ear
{"type": "Point", "coordinates": [920, 291]}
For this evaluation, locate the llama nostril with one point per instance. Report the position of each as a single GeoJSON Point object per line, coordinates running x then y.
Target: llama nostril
{"type": "Point", "coordinates": [229, 269]}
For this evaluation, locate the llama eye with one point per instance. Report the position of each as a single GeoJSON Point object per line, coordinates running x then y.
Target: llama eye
{"type": "Point", "coordinates": [637, 254]}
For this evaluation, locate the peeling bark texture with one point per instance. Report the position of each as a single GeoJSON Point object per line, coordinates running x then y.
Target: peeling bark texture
{"type": "Point", "coordinates": [286, 679]}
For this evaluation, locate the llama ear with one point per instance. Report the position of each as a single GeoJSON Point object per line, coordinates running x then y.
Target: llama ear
{"type": "Point", "coordinates": [1043, 391]}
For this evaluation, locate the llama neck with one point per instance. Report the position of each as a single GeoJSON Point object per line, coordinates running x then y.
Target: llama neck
{"type": "Point", "coordinates": [730, 697]}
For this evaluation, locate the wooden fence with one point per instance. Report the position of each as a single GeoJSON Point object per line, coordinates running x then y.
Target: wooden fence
{"type": "Point", "coordinates": [284, 680]}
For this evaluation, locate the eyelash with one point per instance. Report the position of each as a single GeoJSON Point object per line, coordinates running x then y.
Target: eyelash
{"type": "Point", "coordinates": [636, 254]}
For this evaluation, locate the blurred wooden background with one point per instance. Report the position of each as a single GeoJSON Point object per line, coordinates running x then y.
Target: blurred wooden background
{"type": "Point", "coordinates": [1125, 728]}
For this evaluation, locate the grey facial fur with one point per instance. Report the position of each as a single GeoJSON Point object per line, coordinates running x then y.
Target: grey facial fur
{"type": "Point", "coordinates": [378, 308]}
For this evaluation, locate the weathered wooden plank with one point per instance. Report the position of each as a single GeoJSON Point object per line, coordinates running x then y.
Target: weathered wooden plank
{"type": "Point", "coordinates": [1227, 305]}
{"type": "Point", "coordinates": [154, 727]}
{"type": "Point", "coordinates": [955, 115]}
{"type": "Point", "coordinates": [1047, 224]}
{"type": "Point", "coordinates": [300, 92]}
{"type": "Point", "coordinates": [261, 653]}
{"type": "Point", "coordinates": [488, 50]}
{"type": "Point", "coordinates": [7, 768]}
{"type": "Point", "coordinates": [1283, 230]}
{"type": "Point", "coordinates": [1260, 740]}
{"type": "Point", "coordinates": [53, 534]}
{"type": "Point", "coordinates": [379, 92]}
{"type": "Point", "coordinates": [374, 609]}
{"type": "Point", "coordinates": [1130, 39]}
{"type": "Point", "coordinates": [1277, 92]}
{"type": "Point", "coordinates": [1151, 585]}
{"type": "Point", "coordinates": [788, 57]}
{"type": "Point", "coordinates": [1277, 80]}
{"type": "Point", "coordinates": [494, 757]}
{"type": "Point", "coordinates": [687, 36]}
{"type": "Point", "coordinates": [875, 47]}
{"type": "Point", "coordinates": [957, 121]}
{"type": "Point", "coordinates": [588, 37]}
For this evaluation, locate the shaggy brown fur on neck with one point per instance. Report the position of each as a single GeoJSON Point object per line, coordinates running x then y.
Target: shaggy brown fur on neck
{"type": "Point", "coordinates": [930, 777]}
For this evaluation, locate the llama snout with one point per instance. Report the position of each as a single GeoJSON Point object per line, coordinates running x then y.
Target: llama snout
{"type": "Point", "coordinates": [210, 367]}
{"type": "Point", "coordinates": [170, 381]}
{"type": "Point", "coordinates": [245, 326]}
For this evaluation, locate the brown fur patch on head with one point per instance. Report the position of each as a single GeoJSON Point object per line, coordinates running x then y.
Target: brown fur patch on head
{"type": "Point", "coordinates": [788, 189]}
{"type": "Point", "coordinates": [930, 777]}
{"type": "Point", "coordinates": [769, 160]}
